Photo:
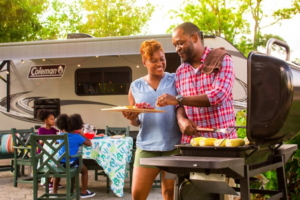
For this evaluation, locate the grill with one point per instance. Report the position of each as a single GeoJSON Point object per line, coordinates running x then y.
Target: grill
{"type": "Point", "coordinates": [273, 111]}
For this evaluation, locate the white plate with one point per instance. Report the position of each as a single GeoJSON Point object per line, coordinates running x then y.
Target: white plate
{"type": "Point", "coordinates": [117, 137]}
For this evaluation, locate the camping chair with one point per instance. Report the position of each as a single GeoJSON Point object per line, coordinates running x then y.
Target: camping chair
{"type": "Point", "coordinates": [47, 165]}
{"type": "Point", "coordinates": [110, 131]}
{"type": "Point", "coordinates": [21, 142]}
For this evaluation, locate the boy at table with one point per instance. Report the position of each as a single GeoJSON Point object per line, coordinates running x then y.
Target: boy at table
{"type": "Point", "coordinates": [71, 124]}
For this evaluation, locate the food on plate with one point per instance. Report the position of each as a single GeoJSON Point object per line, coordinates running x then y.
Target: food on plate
{"type": "Point", "coordinates": [219, 141]}
{"type": "Point", "coordinates": [207, 142]}
{"type": "Point", "coordinates": [100, 135]}
{"type": "Point", "coordinates": [235, 142]}
{"type": "Point", "coordinates": [195, 141]}
{"type": "Point", "coordinates": [144, 105]}
{"type": "Point", "coordinates": [117, 136]}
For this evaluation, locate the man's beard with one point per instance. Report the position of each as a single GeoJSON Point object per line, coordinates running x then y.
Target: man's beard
{"type": "Point", "coordinates": [189, 53]}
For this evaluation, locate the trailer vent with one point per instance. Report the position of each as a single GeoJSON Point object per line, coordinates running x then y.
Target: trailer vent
{"type": "Point", "coordinates": [52, 105]}
{"type": "Point", "coordinates": [78, 35]}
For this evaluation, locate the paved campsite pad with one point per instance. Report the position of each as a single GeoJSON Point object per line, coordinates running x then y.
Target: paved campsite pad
{"type": "Point", "coordinates": [24, 191]}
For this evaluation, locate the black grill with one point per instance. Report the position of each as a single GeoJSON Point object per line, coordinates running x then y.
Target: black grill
{"type": "Point", "coordinates": [273, 113]}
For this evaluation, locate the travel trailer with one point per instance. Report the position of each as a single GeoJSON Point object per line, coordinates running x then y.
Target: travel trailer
{"type": "Point", "coordinates": [87, 74]}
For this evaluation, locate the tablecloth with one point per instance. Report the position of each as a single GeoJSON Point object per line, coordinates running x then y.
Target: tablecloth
{"type": "Point", "coordinates": [113, 155]}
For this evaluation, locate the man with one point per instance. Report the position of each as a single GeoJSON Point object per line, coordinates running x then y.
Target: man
{"type": "Point", "coordinates": [204, 83]}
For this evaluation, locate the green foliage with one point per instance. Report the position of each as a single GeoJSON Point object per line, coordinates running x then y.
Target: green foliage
{"type": "Point", "coordinates": [293, 170]}
{"type": "Point", "coordinates": [20, 19]}
{"type": "Point", "coordinates": [272, 177]}
{"type": "Point", "coordinates": [241, 120]}
{"type": "Point", "coordinates": [256, 10]}
{"type": "Point", "coordinates": [292, 167]}
{"type": "Point", "coordinates": [245, 45]}
{"type": "Point", "coordinates": [217, 18]}
{"type": "Point", "coordinates": [62, 19]}
{"type": "Point", "coordinates": [262, 41]}
{"type": "Point", "coordinates": [214, 17]}
{"type": "Point", "coordinates": [297, 61]}
{"type": "Point", "coordinates": [34, 19]}
{"type": "Point", "coordinates": [115, 17]}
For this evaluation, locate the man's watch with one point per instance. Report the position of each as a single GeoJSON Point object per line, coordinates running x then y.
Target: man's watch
{"type": "Point", "coordinates": [179, 99]}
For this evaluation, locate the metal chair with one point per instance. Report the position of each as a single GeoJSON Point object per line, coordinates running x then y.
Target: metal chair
{"type": "Point", "coordinates": [22, 148]}
{"type": "Point", "coordinates": [47, 165]}
{"type": "Point", "coordinates": [110, 131]}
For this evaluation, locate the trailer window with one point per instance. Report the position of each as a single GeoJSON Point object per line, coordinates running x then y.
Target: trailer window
{"type": "Point", "coordinates": [103, 81]}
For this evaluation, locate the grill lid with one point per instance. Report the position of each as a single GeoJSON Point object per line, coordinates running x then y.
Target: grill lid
{"type": "Point", "coordinates": [273, 103]}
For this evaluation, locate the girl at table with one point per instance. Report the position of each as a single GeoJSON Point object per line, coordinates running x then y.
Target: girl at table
{"type": "Point", "coordinates": [159, 132]}
{"type": "Point", "coordinates": [49, 121]}
{"type": "Point", "coordinates": [71, 124]}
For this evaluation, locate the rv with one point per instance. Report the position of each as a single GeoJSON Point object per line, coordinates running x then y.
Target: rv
{"type": "Point", "coordinates": [86, 75]}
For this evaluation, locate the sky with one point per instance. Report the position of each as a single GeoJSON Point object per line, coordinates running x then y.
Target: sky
{"type": "Point", "coordinates": [287, 29]}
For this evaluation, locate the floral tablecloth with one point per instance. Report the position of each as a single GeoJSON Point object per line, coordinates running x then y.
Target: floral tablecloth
{"type": "Point", "coordinates": [113, 155]}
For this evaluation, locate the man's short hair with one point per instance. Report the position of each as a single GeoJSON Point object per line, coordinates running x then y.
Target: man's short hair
{"type": "Point", "coordinates": [191, 29]}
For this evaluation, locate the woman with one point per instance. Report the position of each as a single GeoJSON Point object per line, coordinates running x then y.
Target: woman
{"type": "Point", "coordinates": [159, 132]}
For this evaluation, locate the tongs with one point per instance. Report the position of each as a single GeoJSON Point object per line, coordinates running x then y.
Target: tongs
{"type": "Point", "coordinates": [222, 130]}
{"type": "Point", "coordinates": [227, 130]}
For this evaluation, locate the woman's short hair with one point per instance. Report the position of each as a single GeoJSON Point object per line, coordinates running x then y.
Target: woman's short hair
{"type": "Point", "coordinates": [74, 122]}
{"type": "Point", "coordinates": [62, 122]}
{"type": "Point", "coordinates": [148, 48]}
{"type": "Point", "coordinates": [44, 114]}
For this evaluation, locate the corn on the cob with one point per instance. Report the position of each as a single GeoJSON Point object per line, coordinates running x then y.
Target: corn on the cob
{"type": "Point", "coordinates": [247, 142]}
{"type": "Point", "coordinates": [207, 142]}
{"type": "Point", "coordinates": [218, 142]}
{"type": "Point", "coordinates": [195, 141]}
{"type": "Point", "coordinates": [235, 142]}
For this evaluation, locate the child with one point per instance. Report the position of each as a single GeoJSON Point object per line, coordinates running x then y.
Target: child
{"type": "Point", "coordinates": [49, 121]}
{"type": "Point", "coordinates": [71, 124]}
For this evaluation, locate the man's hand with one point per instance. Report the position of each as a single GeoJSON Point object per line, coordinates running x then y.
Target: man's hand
{"type": "Point", "coordinates": [166, 99]}
{"type": "Point", "coordinates": [187, 126]}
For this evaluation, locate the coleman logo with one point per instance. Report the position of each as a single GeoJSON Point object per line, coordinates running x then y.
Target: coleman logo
{"type": "Point", "coordinates": [46, 71]}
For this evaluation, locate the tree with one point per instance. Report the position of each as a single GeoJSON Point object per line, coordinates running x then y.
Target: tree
{"type": "Point", "coordinates": [217, 17]}
{"type": "Point", "coordinates": [297, 61]}
{"type": "Point", "coordinates": [256, 10]}
{"type": "Point", "coordinates": [115, 17]}
{"type": "Point", "coordinates": [20, 19]}
{"type": "Point", "coordinates": [61, 18]}
{"type": "Point", "coordinates": [29, 20]}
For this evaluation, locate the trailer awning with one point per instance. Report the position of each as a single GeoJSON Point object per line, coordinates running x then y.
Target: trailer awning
{"type": "Point", "coordinates": [127, 45]}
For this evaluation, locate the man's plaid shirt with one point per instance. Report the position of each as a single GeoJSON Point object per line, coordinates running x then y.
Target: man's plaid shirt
{"type": "Point", "coordinates": [218, 88]}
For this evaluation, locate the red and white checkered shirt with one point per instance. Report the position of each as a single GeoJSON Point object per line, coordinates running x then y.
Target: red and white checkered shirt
{"type": "Point", "coordinates": [218, 88]}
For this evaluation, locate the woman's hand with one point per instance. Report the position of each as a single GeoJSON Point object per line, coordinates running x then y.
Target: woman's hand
{"type": "Point", "coordinates": [187, 126]}
{"type": "Point", "coordinates": [130, 115]}
{"type": "Point", "coordinates": [133, 117]}
{"type": "Point", "coordinates": [166, 99]}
